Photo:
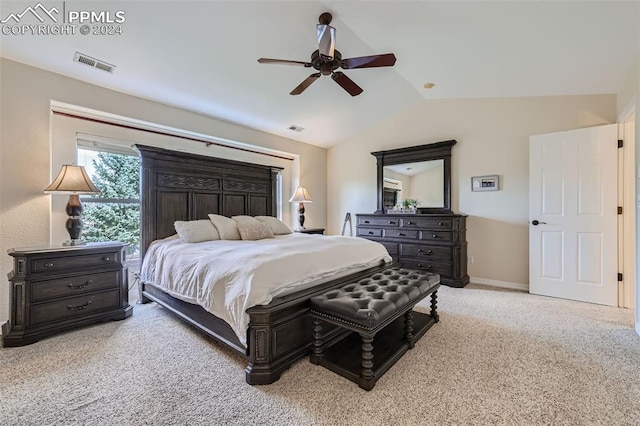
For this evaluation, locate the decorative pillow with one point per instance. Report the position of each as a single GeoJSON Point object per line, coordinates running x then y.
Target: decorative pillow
{"type": "Point", "coordinates": [251, 229]}
{"type": "Point", "coordinates": [226, 227]}
{"type": "Point", "coordinates": [196, 231]}
{"type": "Point", "coordinates": [276, 225]}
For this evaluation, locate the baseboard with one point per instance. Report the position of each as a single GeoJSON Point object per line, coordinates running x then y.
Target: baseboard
{"type": "Point", "coordinates": [502, 284]}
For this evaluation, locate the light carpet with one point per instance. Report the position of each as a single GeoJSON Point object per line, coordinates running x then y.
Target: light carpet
{"type": "Point", "coordinates": [496, 357]}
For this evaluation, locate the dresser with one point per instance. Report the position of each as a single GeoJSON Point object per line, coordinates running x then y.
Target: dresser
{"type": "Point", "coordinates": [57, 288]}
{"type": "Point", "coordinates": [431, 242]}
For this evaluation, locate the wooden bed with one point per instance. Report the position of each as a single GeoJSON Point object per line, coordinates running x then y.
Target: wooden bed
{"type": "Point", "coordinates": [182, 186]}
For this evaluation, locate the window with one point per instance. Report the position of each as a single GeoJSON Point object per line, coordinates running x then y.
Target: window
{"type": "Point", "coordinates": [114, 214]}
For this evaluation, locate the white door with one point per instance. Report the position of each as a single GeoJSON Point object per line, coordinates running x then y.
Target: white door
{"type": "Point", "coordinates": [573, 227]}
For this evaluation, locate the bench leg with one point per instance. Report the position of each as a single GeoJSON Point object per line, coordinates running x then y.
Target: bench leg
{"type": "Point", "coordinates": [408, 328]}
{"type": "Point", "coordinates": [367, 357]}
{"type": "Point", "coordinates": [434, 306]}
{"type": "Point", "coordinates": [316, 352]}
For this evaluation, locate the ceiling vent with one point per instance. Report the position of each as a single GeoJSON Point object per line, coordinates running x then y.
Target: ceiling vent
{"type": "Point", "coordinates": [93, 62]}
{"type": "Point", "coordinates": [296, 128]}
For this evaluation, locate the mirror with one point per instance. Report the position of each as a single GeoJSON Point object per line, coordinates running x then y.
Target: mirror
{"type": "Point", "coordinates": [422, 173]}
{"type": "Point", "coordinates": [422, 181]}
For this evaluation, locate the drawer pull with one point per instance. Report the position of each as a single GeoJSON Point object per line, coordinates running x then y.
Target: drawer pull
{"type": "Point", "coordinates": [428, 267]}
{"type": "Point", "coordinates": [366, 221]}
{"type": "Point", "coordinates": [48, 265]}
{"type": "Point", "coordinates": [370, 232]}
{"type": "Point", "coordinates": [81, 286]}
{"type": "Point", "coordinates": [434, 236]}
{"type": "Point", "coordinates": [400, 234]}
{"type": "Point", "coordinates": [439, 223]}
{"type": "Point", "coordinates": [410, 223]}
{"type": "Point", "coordinates": [391, 222]}
{"type": "Point", "coordinates": [106, 258]}
{"type": "Point", "coordinates": [79, 307]}
{"type": "Point", "coordinates": [428, 252]}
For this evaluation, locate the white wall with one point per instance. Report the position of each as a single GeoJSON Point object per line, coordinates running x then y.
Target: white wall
{"type": "Point", "coordinates": [26, 145]}
{"type": "Point", "coordinates": [493, 139]}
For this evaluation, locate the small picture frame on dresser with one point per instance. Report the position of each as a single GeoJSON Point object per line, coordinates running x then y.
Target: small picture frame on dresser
{"type": "Point", "coordinates": [485, 183]}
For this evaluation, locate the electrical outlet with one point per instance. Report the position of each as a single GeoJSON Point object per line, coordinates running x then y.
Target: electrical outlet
{"type": "Point", "coordinates": [470, 258]}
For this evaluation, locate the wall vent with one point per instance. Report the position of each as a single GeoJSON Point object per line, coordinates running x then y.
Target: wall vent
{"type": "Point", "coordinates": [93, 62]}
{"type": "Point", "coordinates": [296, 128]}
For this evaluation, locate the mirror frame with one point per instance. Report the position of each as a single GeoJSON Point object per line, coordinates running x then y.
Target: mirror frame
{"type": "Point", "coordinates": [414, 154]}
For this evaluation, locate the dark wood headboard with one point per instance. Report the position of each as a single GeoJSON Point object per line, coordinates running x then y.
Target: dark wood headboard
{"type": "Point", "coordinates": [180, 186]}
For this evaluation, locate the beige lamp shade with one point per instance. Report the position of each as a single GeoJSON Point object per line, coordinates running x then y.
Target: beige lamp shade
{"type": "Point", "coordinates": [72, 179]}
{"type": "Point", "coordinates": [301, 196]}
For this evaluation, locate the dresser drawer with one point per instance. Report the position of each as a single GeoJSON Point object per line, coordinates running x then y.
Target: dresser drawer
{"type": "Point", "coordinates": [442, 268]}
{"type": "Point", "coordinates": [392, 248]}
{"type": "Point", "coordinates": [74, 306]}
{"type": "Point", "coordinates": [369, 232]}
{"type": "Point", "coordinates": [400, 233]}
{"type": "Point", "coordinates": [53, 264]}
{"type": "Point", "coordinates": [431, 223]}
{"type": "Point", "coordinates": [378, 221]}
{"type": "Point", "coordinates": [51, 289]}
{"type": "Point", "coordinates": [426, 252]}
{"type": "Point", "coordinates": [436, 235]}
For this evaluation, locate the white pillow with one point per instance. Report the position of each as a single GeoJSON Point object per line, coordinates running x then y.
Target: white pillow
{"type": "Point", "coordinates": [196, 231]}
{"type": "Point", "coordinates": [251, 229]}
{"type": "Point", "coordinates": [226, 227]}
{"type": "Point", "coordinates": [277, 226]}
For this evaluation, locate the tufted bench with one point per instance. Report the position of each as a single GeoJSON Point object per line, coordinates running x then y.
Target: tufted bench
{"type": "Point", "coordinates": [375, 311]}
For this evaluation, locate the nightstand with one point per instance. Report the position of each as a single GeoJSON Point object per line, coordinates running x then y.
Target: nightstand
{"type": "Point", "coordinates": [311, 231]}
{"type": "Point", "coordinates": [57, 288]}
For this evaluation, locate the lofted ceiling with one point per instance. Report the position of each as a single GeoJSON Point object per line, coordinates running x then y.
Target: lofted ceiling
{"type": "Point", "coordinates": [201, 56]}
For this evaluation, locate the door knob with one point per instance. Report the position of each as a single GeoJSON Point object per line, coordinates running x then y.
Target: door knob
{"type": "Point", "coordinates": [537, 222]}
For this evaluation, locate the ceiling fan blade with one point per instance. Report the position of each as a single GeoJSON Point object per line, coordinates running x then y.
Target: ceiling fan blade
{"type": "Point", "coordinates": [346, 83]}
{"type": "Point", "coordinates": [306, 83]}
{"type": "Point", "coordinates": [326, 40]}
{"type": "Point", "coordinates": [385, 60]}
{"type": "Point", "coordinates": [284, 62]}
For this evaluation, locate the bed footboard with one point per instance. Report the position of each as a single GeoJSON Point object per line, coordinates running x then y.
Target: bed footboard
{"type": "Point", "coordinates": [279, 334]}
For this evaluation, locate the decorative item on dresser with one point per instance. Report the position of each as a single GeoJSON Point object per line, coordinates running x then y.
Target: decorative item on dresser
{"type": "Point", "coordinates": [57, 288]}
{"type": "Point", "coordinates": [433, 239]}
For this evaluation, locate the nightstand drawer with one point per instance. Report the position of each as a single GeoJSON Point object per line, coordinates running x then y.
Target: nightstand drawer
{"type": "Point", "coordinates": [71, 286]}
{"type": "Point", "coordinates": [63, 263]}
{"type": "Point", "coordinates": [74, 306]}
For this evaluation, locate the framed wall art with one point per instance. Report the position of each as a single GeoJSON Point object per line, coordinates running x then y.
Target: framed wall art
{"type": "Point", "coordinates": [485, 183]}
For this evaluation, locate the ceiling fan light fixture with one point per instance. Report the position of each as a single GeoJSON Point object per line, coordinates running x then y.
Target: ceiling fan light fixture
{"type": "Point", "coordinates": [429, 85]}
{"type": "Point", "coordinates": [295, 128]}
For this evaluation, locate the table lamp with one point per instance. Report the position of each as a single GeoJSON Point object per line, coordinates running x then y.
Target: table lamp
{"type": "Point", "coordinates": [301, 196]}
{"type": "Point", "coordinates": [73, 180]}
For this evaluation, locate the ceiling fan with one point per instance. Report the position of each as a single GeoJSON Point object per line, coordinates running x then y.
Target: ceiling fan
{"type": "Point", "coordinates": [327, 60]}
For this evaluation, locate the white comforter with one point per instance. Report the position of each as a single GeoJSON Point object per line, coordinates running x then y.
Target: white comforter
{"type": "Point", "coordinates": [228, 277]}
